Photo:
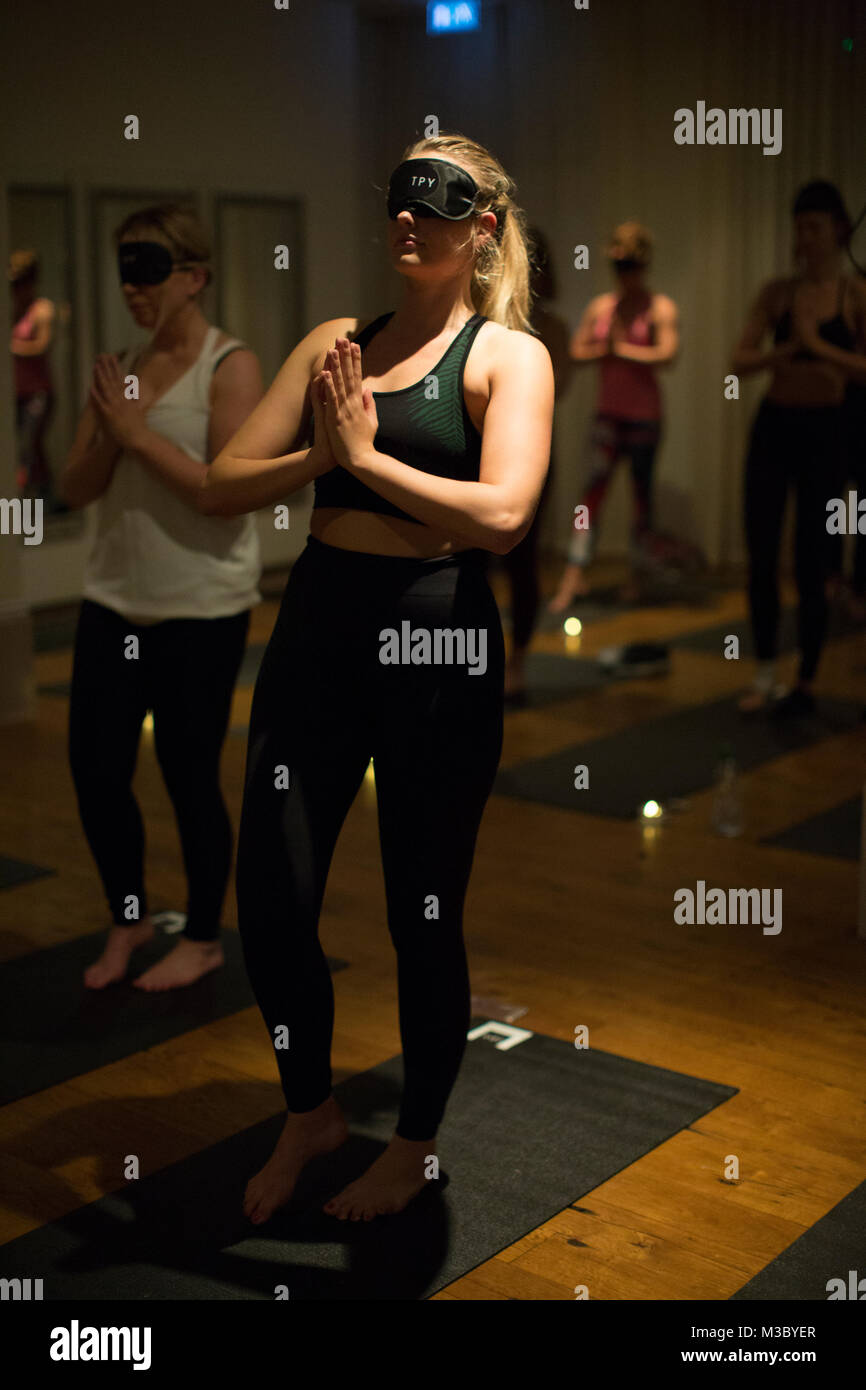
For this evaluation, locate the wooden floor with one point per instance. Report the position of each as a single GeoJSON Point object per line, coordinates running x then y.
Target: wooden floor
{"type": "Point", "coordinates": [780, 1017]}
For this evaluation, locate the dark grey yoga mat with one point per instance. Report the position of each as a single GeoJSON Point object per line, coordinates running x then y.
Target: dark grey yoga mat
{"type": "Point", "coordinates": [14, 871]}
{"type": "Point", "coordinates": [712, 639]}
{"type": "Point", "coordinates": [528, 1131]}
{"type": "Point", "coordinates": [830, 1249]}
{"type": "Point", "coordinates": [53, 1028]}
{"type": "Point", "coordinates": [668, 757]}
{"type": "Point", "coordinates": [551, 677]}
{"type": "Point", "coordinates": [835, 833]}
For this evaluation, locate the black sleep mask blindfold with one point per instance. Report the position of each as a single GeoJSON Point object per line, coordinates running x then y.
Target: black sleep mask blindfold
{"type": "Point", "coordinates": [431, 188]}
{"type": "Point", "coordinates": [145, 263]}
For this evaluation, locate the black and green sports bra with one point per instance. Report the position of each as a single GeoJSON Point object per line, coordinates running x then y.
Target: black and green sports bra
{"type": "Point", "coordinates": [426, 426]}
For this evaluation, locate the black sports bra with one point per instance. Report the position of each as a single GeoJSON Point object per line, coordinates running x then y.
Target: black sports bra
{"type": "Point", "coordinates": [834, 330]}
{"type": "Point", "coordinates": [425, 425]}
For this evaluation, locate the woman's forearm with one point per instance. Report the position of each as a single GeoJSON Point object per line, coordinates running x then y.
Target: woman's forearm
{"type": "Point", "coordinates": [28, 347]}
{"type": "Point", "coordinates": [853, 362]}
{"type": "Point", "coordinates": [233, 486]}
{"type": "Point", "coordinates": [590, 353]}
{"type": "Point", "coordinates": [177, 470]}
{"type": "Point", "coordinates": [88, 471]}
{"type": "Point", "coordinates": [228, 487]}
{"type": "Point", "coordinates": [475, 512]}
{"type": "Point", "coordinates": [749, 360]}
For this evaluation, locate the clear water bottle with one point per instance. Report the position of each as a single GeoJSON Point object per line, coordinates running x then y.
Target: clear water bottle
{"type": "Point", "coordinates": [728, 803]}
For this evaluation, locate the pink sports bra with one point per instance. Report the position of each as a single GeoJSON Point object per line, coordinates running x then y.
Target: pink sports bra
{"type": "Point", "coordinates": [32, 374]}
{"type": "Point", "coordinates": [628, 390]}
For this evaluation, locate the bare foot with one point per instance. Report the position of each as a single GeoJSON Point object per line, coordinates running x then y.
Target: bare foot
{"type": "Point", "coordinates": [304, 1136]}
{"type": "Point", "coordinates": [754, 700]}
{"type": "Point", "coordinates": [388, 1185]}
{"type": "Point", "coordinates": [114, 961]}
{"type": "Point", "coordinates": [572, 585]}
{"type": "Point", "coordinates": [183, 966]}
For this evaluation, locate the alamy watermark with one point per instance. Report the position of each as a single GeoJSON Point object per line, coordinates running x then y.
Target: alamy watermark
{"type": "Point", "coordinates": [77, 1343]}
{"type": "Point", "coordinates": [739, 906]}
{"type": "Point", "coordinates": [16, 518]}
{"type": "Point", "coordinates": [736, 126]}
{"type": "Point", "coordinates": [439, 646]}
{"type": "Point", "coordinates": [846, 517]}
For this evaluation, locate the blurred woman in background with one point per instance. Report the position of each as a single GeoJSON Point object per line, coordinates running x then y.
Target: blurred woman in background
{"type": "Point", "coordinates": [630, 332]}
{"type": "Point", "coordinates": [799, 438]}
{"type": "Point", "coordinates": [33, 323]}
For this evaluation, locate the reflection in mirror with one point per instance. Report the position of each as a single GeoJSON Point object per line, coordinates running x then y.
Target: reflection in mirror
{"type": "Point", "coordinates": [248, 230]}
{"type": "Point", "coordinates": [40, 294]}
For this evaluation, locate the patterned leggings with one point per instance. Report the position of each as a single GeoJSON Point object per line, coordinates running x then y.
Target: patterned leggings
{"type": "Point", "coordinates": [609, 440]}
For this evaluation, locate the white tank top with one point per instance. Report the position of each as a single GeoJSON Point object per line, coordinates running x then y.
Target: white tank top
{"type": "Point", "coordinates": [153, 556]}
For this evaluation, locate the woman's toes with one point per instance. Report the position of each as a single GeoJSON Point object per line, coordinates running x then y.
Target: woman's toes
{"type": "Point", "coordinates": [338, 1207]}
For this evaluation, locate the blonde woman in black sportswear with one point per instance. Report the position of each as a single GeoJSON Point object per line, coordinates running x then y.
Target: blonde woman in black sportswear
{"type": "Point", "coordinates": [432, 428]}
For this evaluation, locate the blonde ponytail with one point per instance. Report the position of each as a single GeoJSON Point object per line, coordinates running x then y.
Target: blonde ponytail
{"type": "Point", "coordinates": [501, 276]}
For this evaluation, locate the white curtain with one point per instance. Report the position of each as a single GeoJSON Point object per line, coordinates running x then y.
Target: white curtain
{"type": "Point", "coordinates": [592, 96]}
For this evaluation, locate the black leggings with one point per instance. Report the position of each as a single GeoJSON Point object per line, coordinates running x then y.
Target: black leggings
{"type": "Point", "coordinates": [803, 447]}
{"type": "Point", "coordinates": [855, 478]}
{"type": "Point", "coordinates": [32, 417]}
{"type": "Point", "coordinates": [324, 705]}
{"type": "Point", "coordinates": [185, 673]}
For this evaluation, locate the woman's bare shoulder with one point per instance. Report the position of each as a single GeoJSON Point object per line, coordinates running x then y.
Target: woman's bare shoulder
{"type": "Point", "coordinates": [322, 338]}
{"type": "Point", "coordinates": [601, 303]}
{"type": "Point", "coordinates": [507, 347]}
{"type": "Point", "coordinates": [774, 294]}
{"type": "Point", "coordinates": [664, 305]}
{"type": "Point", "coordinates": [346, 327]}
